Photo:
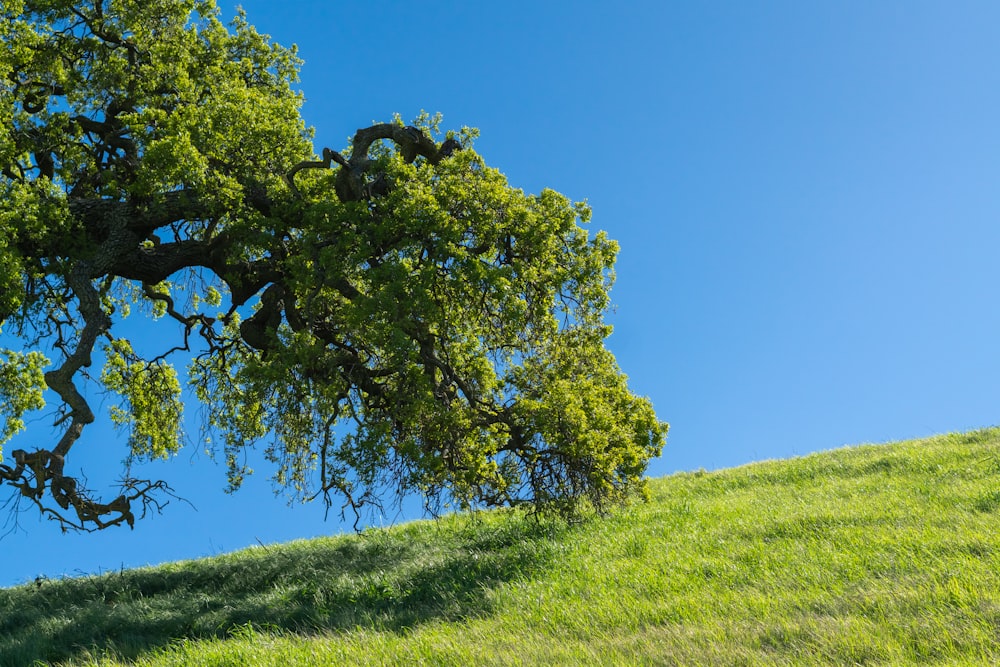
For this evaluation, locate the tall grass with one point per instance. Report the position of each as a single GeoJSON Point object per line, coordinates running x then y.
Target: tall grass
{"type": "Point", "coordinates": [884, 554]}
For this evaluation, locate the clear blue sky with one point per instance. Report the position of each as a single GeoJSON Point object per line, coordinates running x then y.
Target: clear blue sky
{"type": "Point", "coordinates": [806, 195]}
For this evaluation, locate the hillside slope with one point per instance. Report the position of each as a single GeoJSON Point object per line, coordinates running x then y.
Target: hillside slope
{"type": "Point", "coordinates": [862, 555]}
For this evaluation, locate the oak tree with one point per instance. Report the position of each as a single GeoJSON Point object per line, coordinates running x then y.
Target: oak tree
{"type": "Point", "coordinates": [393, 317]}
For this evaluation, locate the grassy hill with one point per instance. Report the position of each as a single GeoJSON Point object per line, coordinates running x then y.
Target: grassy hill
{"type": "Point", "coordinates": [864, 555]}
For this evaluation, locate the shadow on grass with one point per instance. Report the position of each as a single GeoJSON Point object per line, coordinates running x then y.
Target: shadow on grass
{"type": "Point", "coordinates": [383, 580]}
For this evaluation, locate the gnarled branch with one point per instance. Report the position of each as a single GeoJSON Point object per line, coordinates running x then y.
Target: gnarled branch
{"type": "Point", "coordinates": [34, 471]}
{"type": "Point", "coordinates": [350, 185]}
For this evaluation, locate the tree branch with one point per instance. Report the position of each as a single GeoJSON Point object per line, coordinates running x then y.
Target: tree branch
{"type": "Point", "coordinates": [33, 471]}
{"type": "Point", "coordinates": [162, 210]}
{"type": "Point", "coordinates": [350, 185]}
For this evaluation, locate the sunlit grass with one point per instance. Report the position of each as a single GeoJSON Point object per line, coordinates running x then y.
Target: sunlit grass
{"type": "Point", "coordinates": [870, 555]}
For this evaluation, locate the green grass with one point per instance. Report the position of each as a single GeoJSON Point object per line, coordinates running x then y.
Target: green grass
{"type": "Point", "coordinates": [884, 554]}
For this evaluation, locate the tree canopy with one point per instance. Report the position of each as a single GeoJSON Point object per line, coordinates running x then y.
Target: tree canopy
{"type": "Point", "coordinates": [390, 318]}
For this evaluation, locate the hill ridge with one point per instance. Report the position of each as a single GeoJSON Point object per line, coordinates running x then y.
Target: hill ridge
{"type": "Point", "coordinates": [859, 555]}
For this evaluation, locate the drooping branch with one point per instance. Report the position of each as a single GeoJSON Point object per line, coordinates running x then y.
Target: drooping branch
{"type": "Point", "coordinates": [60, 380]}
{"type": "Point", "coordinates": [350, 184]}
{"type": "Point", "coordinates": [35, 471]}
{"type": "Point", "coordinates": [42, 470]}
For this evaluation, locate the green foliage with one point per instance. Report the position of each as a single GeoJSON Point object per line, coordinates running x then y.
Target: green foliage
{"type": "Point", "coordinates": [21, 387]}
{"type": "Point", "coordinates": [882, 554]}
{"type": "Point", "coordinates": [151, 408]}
{"type": "Point", "coordinates": [397, 317]}
{"type": "Point", "coordinates": [32, 216]}
{"type": "Point", "coordinates": [439, 259]}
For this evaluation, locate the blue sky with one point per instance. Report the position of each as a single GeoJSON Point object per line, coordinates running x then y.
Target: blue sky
{"type": "Point", "coordinates": [805, 195]}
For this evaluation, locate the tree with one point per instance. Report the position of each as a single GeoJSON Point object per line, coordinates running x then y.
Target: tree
{"type": "Point", "coordinates": [390, 318]}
